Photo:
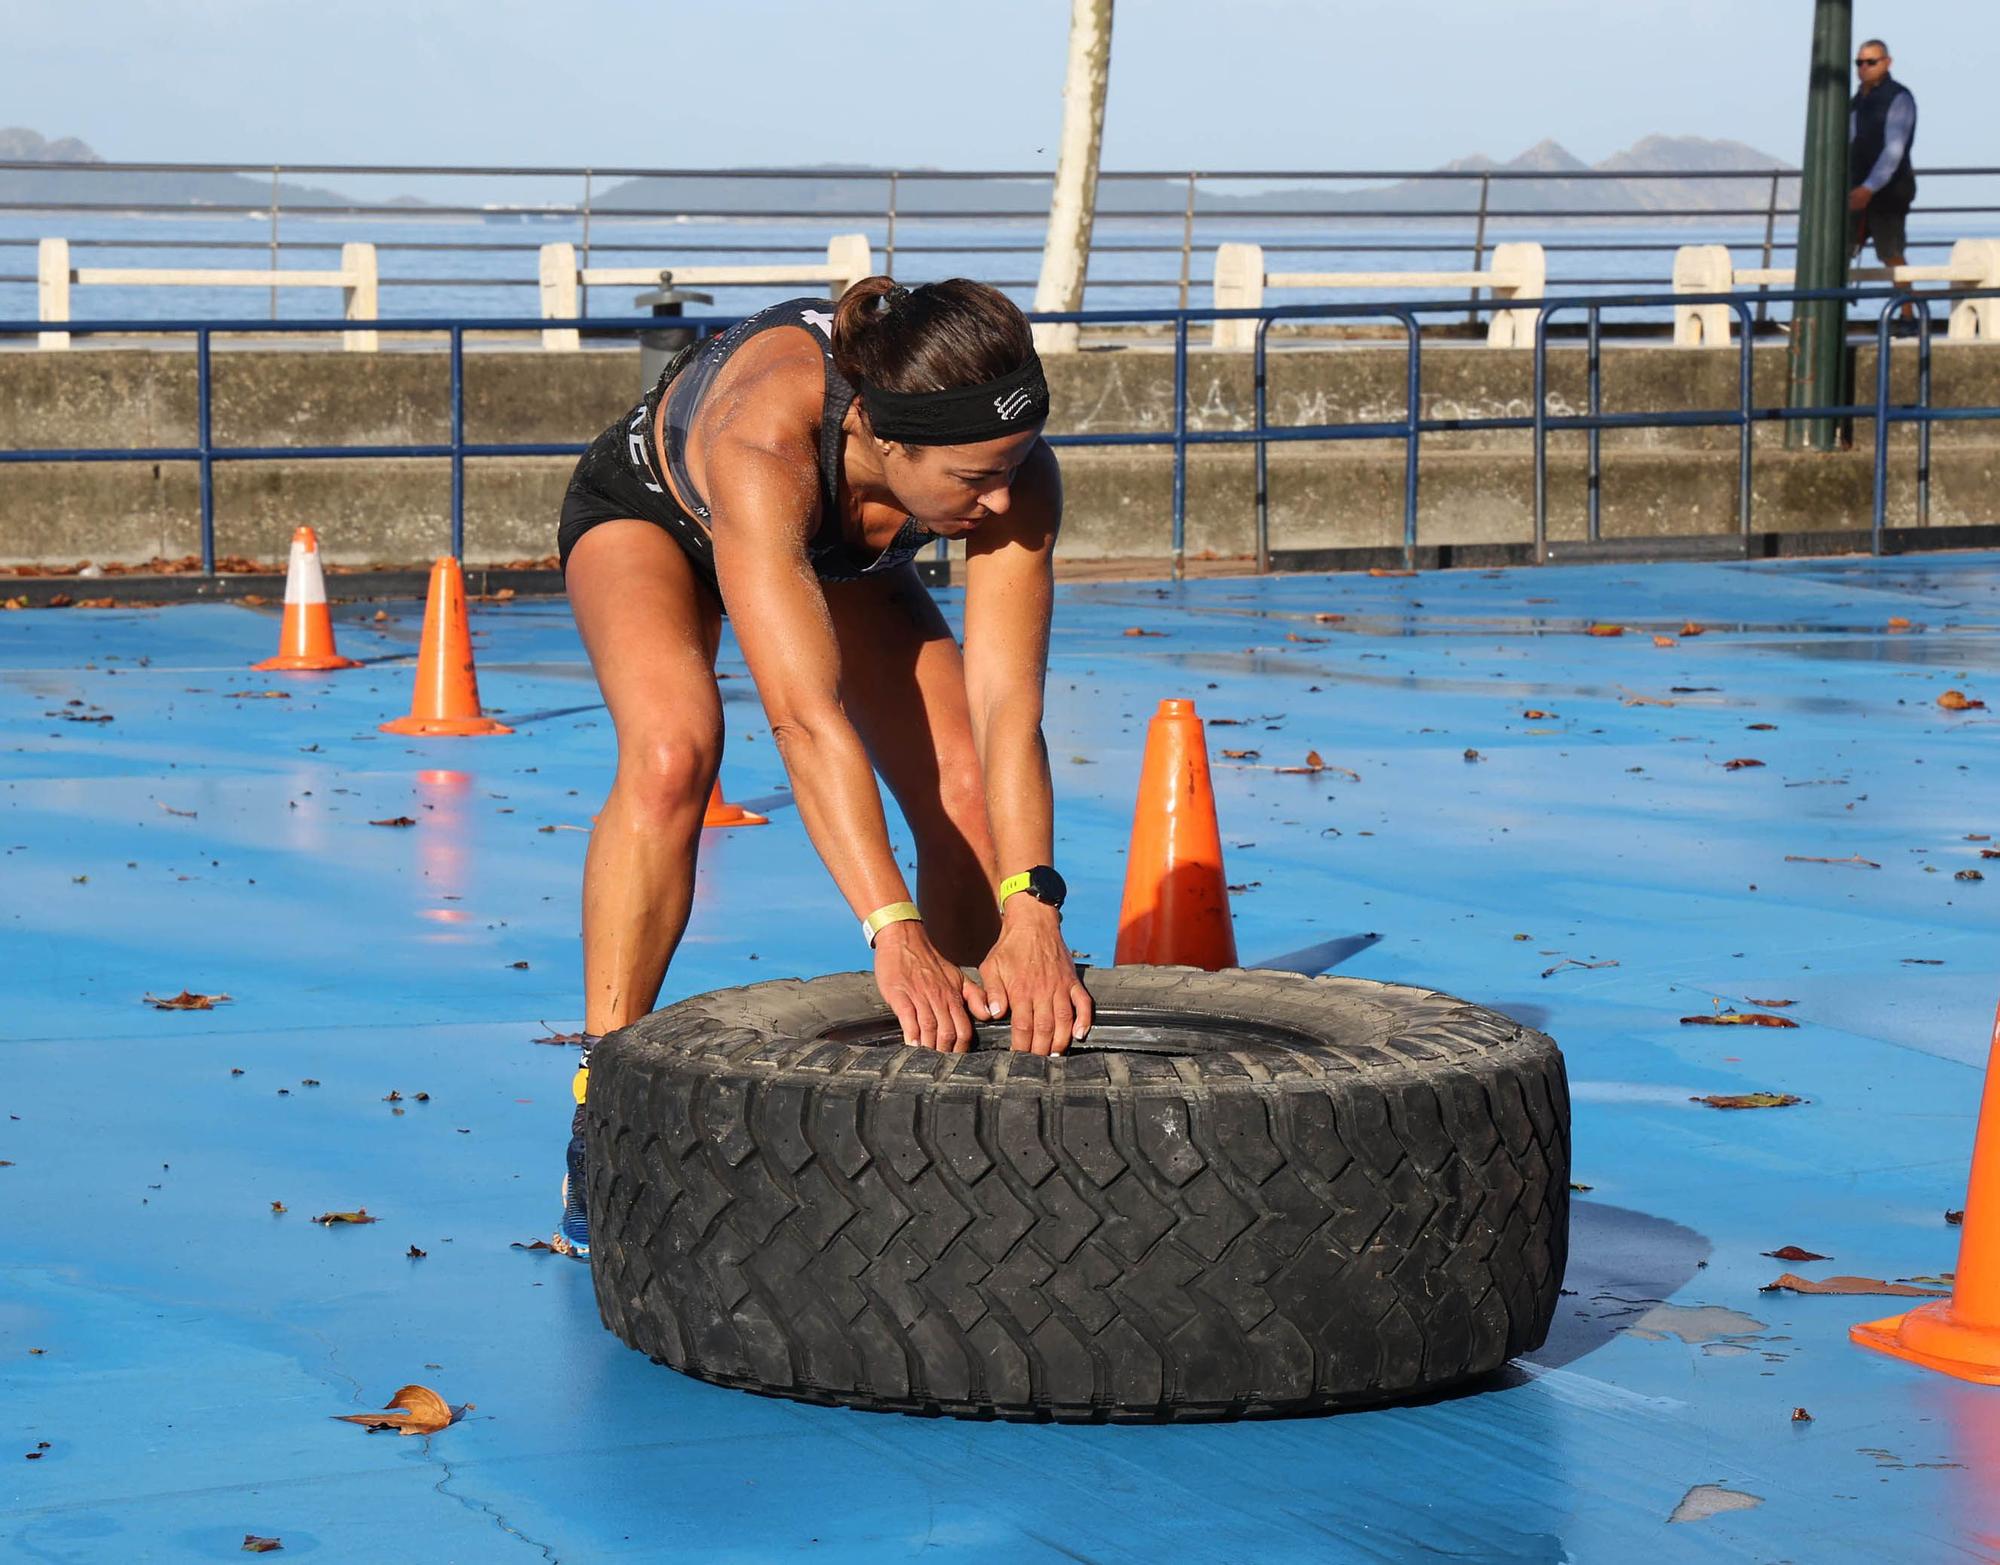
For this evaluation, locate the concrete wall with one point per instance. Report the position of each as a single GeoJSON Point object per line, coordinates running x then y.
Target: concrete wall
{"type": "Point", "coordinates": [1474, 487]}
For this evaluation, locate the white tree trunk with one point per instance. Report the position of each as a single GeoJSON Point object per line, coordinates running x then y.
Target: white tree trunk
{"type": "Point", "coordinates": [1066, 253]}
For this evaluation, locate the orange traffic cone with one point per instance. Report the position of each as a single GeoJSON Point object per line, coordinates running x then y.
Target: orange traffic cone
{"type": "Point", "coordinates": [1176, 908]}
{"type": "Point", "coordinates": [447, 695]}
{"type": "Point", "coordinates": [305, 640]}
{"type": "Point", "coordinates": [1960, 1336]}
{"type": "Point", "coordinates": [722, 813]}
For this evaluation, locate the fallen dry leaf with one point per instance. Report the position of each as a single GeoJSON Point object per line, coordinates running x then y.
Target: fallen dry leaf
{"type": "Point", "coordinates": [61, 600]}
{"type": "Point", "coordinates": [254, 600]}
{"type": "Point", "coordinates": [1135, 630]}
{"type": "Point", "coordinates": [328, 1219]}
{"type": "Point", "coordinates": [259, 695]}
{"type": "Point", "coordinates": [185, 814]}
{"type": "Point", "coordinates": [1776, 1005]}
{"type": "Point", "coordinates": [1852, 858]}
{"type": "Point", "coordinates": [1606, 630]}
{"type": "Point", "coordinates": [1692, 629]}
{"type": "Point", "coordinates": [556, 1246]}
{"type": "Point", "coordinates": [1534, 714]}
{"type": "Point", "coordinates": [186, 1000]}
{"type": "Point", "coordinates": [417, 1255]}
{"type": "Point", "coordinates": [278, 1209]}
{"type": "Point", "coordinates": [1748, 1100]}
{"type": "Point", "coordinates": [1740, 763]}
{"type": "Point", "coordinates": [1954, 1216]}
{"type": "Point", "coordinates": [1968, 874]}
{"type": "Point", "coordinates": [1313, 764]}
{"type": "Point", "coordinates": [1376, 570]}
{"type": "Point", "coordinates": [1762, 728]}
{"type": "Point", "coordinates": [1665, 641]}
{"type": "Point", "coordinates": [1292, 635]}
{"type": "Point", "coordinates": [1328, 619]}
{"type": "Point", "coordinates": [1738, 1019]}
{"type": "Point", "coordinates": [1646, 701]}
{"type": "Point", "coordinates": [252, 1544]}
{"type": "Point", "coordinates": [97, 603]}
{"type": "Point", "coordinates": [1241, 755]}
{"type": "Point", "coordinates": [424, 1412]}
{"type": "Point", "coordinates": [1989, 853]}
{"type": "Point", "coordinates": [1897, 622]}
{"type": "Point", "coordinates": [381, 615]}
{"type": "Point", "coordinates": [561, 1037]}
{"type": "Point", "coordinates": [1801, 1416]}
{"type": "Point", "coordinates": [1792, 1252]}
{"type": "Point", "coordinates": [1570, 961]}
{"type": "Point", "coordinates": [1959, 701]}
{"type": "Point", "coordinates": [1791, 1282]}
{"type": "Point", "coordinates": [394, 820]}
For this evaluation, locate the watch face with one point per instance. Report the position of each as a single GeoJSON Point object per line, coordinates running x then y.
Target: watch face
{"type": "Point", "coordinates": [1045, 885]}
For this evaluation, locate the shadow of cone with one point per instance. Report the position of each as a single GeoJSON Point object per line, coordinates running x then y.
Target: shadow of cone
{"type": "Point", "coordinates": [305, 640]}
{"type": "Point", "coordinates": [446, 701]}
{"type": "Point", "coordinates": [1960, 1336]}
{"type": "Point", "coordinates": [1176, 908]}
{"type": "Point", "coordinates": [722, 813]}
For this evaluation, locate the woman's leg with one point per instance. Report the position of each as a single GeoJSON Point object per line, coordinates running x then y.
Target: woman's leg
{"type": "Point", "coordinates": [650, 626]}
{"type": "Point", "coordinates": [903, 685]}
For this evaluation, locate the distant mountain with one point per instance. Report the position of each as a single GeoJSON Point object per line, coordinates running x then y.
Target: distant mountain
{"type": "Point", "coordinates": [58, 184]}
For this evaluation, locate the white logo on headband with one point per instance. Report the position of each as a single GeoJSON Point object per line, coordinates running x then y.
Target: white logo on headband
{"type": "Point", "coordinates": [1011, 405]}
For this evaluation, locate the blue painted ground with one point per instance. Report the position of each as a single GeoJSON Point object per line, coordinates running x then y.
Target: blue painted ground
{"type": "Point", "coordinates": [179, 1347]}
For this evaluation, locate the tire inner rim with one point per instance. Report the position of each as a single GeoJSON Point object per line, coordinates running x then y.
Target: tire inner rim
{"type": "Point", "coordinates": [1114, 1030]}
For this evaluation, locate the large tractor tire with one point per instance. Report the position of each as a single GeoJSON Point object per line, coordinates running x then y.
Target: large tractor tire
{"type": "Point", "coordinates": [1248, 1193]}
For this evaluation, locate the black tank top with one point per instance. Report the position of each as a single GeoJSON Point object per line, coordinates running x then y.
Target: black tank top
{"type": "Point", "coordinates": [688, 379]}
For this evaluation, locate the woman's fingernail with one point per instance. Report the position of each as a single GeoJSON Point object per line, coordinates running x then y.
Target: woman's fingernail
{"type": "Point", "coordinates": [992, 1008]}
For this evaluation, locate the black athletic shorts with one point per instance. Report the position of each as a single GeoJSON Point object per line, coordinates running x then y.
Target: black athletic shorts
{"type": "Point", "coordinates": [607, 487]}
{"type": "Point", "coordinates": [1882, 224]}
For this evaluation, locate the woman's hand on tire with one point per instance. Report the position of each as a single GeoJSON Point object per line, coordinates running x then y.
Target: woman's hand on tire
{"type": "Point", "coordinates": [1030, 974]}
{"type": "Point", "coordinates": [929, 995]}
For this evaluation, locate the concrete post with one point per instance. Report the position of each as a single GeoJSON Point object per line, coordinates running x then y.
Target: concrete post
{"type": "Point", "coordinates": [52, 288]}
{"type": "Point", "coordinates": [849, 259]}
{"type": "Point", "coordinates": [1073, 208]}
{"type": "Point", "coordinates": [1239, 285]}
{"type": "Point", "coordinates": [1520, 271]}
{"type": "Point", "coordinates": [1976, 319]}
{"type": "Point", "coordinates": [1817, 354]}
{"type": "Point", "coordinates": [359, 295]}
{"type": "Point", "coordinates": [558, 277]}
{"type": "Point", "coordinates": [1702, 269]}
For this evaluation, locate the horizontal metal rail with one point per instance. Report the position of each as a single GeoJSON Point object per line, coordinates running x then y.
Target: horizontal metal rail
{"type": "Point", "coordinates": [1262, 434]}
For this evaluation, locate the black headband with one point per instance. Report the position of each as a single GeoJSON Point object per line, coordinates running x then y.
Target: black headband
{"type": "Point", "coordinates": [962, 417]}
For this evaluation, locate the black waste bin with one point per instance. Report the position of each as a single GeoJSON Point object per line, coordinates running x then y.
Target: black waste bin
{"type": "Point", "coordinates": [657, 346]}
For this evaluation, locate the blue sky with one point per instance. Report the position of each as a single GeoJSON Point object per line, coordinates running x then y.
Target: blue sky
{"type": "Point", "coordinates": [1281, 84]}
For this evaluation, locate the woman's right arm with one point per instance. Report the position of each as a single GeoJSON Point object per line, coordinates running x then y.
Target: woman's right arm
{"type": "Point", "coordinates": [764, 499]}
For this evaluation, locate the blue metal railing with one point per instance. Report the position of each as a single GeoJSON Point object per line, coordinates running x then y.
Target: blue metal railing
{"type": "Point", "coordinates": [1410, 429]}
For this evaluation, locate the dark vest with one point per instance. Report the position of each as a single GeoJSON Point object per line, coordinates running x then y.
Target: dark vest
{"type": "Point", "coordinates": [1871, 124]}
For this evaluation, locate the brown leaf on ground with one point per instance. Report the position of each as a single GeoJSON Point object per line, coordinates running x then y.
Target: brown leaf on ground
{"type": "Point", "coordinates": [1328, 619]}
{"type": "Point", "coordinates": [97, 603]}
{"type": "Point", "coordinates": [1791, 1282]}
{"type": "Point", "coordinates": [1749, 1100]}
{"type": "Point", "coordinates": [394, 820]}
{"type": "Point", "coordinates": [1989, 853]}
{"type": "Point", "coordinates": [184, 814]}
{"type": "Point", "coordinates": [1763, 728]}
{"type": "Point", "coordinates": [186, 1000]}
{"type": "Point", "coordinates": [415, 1254]}
{"type": "Point", "coordinates": [1776, 1005]}
{"type": "Point", "coordinates": [1535, 714]}
{"type": "Point", "coordinates": [1968, 874]}
{"type": "Point", "coordinates": [359, 1215]}
{"type": "Point", "coordinates": [560, 1037]}
{"type": "Point", "coordinates": [1665, 641]}
{"type": "Point", "coordinates": [1897, 622]}
{"type": "Point", "coordinates": [556, 1246]}
{"type": "Point", "coordinates": [1138, 630]}
{"type": "Point", "coordinates": [278, 1209]}
{"type": "Point", "coordinates": [423, 1412]}
{"type": "Point", "coordinates": [1692, 629]}
{"type": "Point", "coordinates": [1801, 1416]}
{"type": "Point", "coordinates": [1377, 570]}
{"type": "Point", "coordinates": [259, 695]}
{"type": "Point", "coordinates": [1792, 1252]}
{"type": "Point", "coordinates": [1292, 635]}
{"type": "Point", "coordinates": [61, 600]}
{"type": "Point", "coordinates": [1852, 858]}
{"type": "Point", "coordinates": [1954, 1216]}
{"type": "Point", "coordinates": [1646, 701]}
{"type": "Point", "coordinates": [1738, 1019]}
{"type": "Point", "coordinates": [252, 1544]}
{"type": "Point", "coordinates": [1959, 701]}
{"type": "Point", "coordinates": [253, 600]}
{"type": "Point", "coordinates": [380, 616]}
{"type": "Point", "coordinates": [1241, 755]}
{"type": "Point", "coordinates": [1741, 763]}
{"type": "Point", "coordinates": [503, 595]}
{"type": "Point", "coordinates": [1313, 764]}
{"type": "Point", "coordinates": [1606, 630]}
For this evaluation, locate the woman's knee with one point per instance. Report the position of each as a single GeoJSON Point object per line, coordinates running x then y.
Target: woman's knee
{"type": "Point", "coordinates": [664, 776]}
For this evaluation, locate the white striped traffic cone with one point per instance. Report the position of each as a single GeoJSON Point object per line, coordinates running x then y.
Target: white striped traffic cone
{"type": "Point", "coordinates": [306, 639]}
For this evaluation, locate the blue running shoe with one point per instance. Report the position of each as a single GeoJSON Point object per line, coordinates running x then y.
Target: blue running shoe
{"type": "Point", "coordinates": [575, 1230]}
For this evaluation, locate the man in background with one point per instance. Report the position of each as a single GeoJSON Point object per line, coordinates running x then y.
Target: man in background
{"type": "Point", "coordinates": [1881, 128]}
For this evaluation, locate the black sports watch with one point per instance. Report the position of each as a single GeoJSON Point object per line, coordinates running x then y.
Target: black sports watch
{"type": "Point", "coordinates": [1042, 883]}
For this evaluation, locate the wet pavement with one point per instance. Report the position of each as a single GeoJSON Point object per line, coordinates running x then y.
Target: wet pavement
{"type": "Point", "coordinates": [1598, 870]}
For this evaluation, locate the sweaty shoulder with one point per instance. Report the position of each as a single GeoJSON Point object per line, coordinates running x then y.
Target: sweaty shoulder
{"type": "Point", "coordinates": [770, 394]}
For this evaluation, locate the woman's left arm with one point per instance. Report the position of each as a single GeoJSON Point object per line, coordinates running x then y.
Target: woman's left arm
{"type": "Point", "coordinates": [1009, 592]}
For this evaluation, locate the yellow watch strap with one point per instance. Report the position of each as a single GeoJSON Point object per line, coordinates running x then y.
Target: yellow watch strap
{"type": "Point", "coordinates": [1012, 884]}
{"type": "Point", "coordinates": [882, 917]}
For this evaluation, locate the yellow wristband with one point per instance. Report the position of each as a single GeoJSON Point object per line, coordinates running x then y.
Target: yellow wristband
{"type": "Point", "coordinates": [1012, 884]}
{"type": "Point", "coordinates": [882, 917]}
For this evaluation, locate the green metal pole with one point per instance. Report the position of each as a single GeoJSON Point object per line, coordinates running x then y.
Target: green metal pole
{"type": "Point", "coordinates": [1818, 355]}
